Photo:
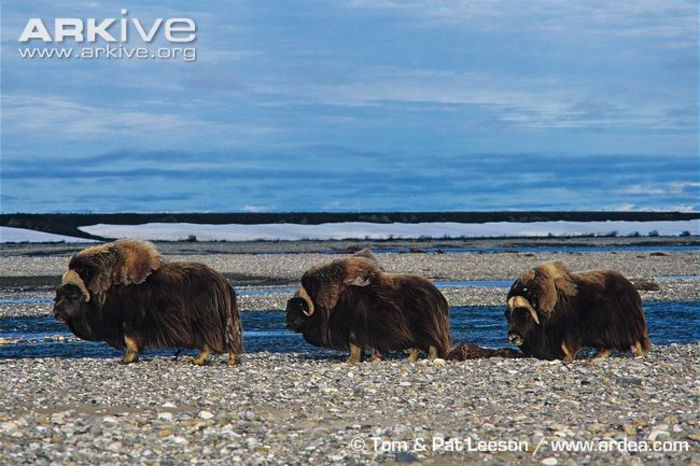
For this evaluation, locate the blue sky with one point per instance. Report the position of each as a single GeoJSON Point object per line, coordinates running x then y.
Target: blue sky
{"type": "Point", "coordinates": [362, 105]}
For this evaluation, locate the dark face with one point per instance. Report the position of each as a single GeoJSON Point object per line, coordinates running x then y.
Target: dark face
{"type": "Point", "coordinates": [68, 302]}
{"type": "Point", "coordinates": [520, 317]}
{"type": "Point", "coordinates": [297, 317]}
{"type": "Point", "coordinates": [520, 324]}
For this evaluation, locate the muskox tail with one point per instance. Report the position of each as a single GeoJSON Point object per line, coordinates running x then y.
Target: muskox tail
{"type": "Point", "coordinates": [465, 350]}
{"type": "Point", "coordinates": [234, 330]}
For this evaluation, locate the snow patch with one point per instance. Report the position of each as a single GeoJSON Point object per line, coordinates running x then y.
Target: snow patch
{"type": "Point", "coordinates": [378, 231]}
{"type": "Point", "coordinates": [23, 235]}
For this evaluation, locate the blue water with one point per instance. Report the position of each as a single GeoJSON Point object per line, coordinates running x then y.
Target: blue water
{"type": "Point", "coordinates": [26, 300]}
{"type": "Point", "coordinates": [36, 337]}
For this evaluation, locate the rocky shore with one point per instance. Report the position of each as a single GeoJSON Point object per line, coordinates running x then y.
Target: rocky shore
{"type": "Point", "coordinates": [292, 409]}
{"type": "Point", "coordinates": [295, 408]}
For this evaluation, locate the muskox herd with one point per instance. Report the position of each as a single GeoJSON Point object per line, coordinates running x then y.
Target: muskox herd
{"type": "Point", "coordinates": [126, 294]}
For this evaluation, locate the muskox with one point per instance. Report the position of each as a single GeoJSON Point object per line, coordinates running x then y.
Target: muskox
{"type": "Point", "coordinates": [552, 313]}
{"type": "Point", "coordinates": [352, 303]}
{"type": "Point", "coordinates": [123, 293]}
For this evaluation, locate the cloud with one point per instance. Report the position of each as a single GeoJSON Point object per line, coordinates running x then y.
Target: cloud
{"type": "Point", "coordinates": [524, 102]}
{"type": "Point", "coordinates": [669, 188]}
{"type": "Point", "coordinates": [51, 118]}
{"type": "Point", "coordinates": [334, 178]}
{"type": "Point", "coordinates": [629, 207]}
{"type": "Point", "coordinates": [254, 208]}
{"type": "Point", "coordinates": [661, 19]}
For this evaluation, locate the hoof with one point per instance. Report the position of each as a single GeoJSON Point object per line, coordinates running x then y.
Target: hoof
{"type": "Point", "coordinates": [413, 355]}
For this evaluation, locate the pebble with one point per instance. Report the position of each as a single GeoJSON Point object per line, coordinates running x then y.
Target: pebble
{"type": "Point", "coordinates": [165, 416]}
{"type": "Point", "coordinates": [655, 435]}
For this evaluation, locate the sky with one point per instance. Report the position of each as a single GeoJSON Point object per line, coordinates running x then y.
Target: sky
{"type": "Point", "coordinates": [359, 105]}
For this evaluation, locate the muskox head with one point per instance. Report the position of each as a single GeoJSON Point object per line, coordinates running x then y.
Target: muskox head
{"type": "Point", "coordinates": [323, 285]}
{"type": "Point", "coordinates": [533, 298]}
{"type": "Point", "coordinates": [71, 297]}
{"type": "Point", "coordinates": [94, 270]}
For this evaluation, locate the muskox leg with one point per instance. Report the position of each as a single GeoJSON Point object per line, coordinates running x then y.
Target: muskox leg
{"type": "Point", "coordinates": [355, 354]}
{"type": "Point", "coordinates": [413, 355]}
{"type": "Point", "coordinates": [568, 354]}
{"type": "Point", "coordinates": [376, 355]}
{"type": "Point", "coordinates": [231, 359]}
{"type": "Point", "coordinates": [602, 354]}
{"type": "Point", "coordinates": [132, 350]}
{"type": "Point", "coordinates": [638, 350]}
{"type": "Point", "coordinates": [432, 352]}
{"type": "Point", "coordinates": [201, 358]}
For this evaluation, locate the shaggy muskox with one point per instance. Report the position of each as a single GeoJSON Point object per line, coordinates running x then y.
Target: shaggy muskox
{"type": "Point", "coordinates": [351, 303]}
{"type": "Point", "coordinates": [125, 294]}
{"type": "Point", "coordinates": [553, 312]}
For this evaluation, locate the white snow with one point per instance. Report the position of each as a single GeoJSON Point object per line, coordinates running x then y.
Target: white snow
{"type": "Point", "coordinates": [364, 230]}
{"type": "Point", "coordinates": [23, 235]}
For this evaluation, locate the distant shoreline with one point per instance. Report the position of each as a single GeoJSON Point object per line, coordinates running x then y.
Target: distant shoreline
{"type": "Point", "coordinates": [69, 224]}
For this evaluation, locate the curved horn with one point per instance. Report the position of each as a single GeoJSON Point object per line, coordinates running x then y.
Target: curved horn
{"type": "Point", "coordinates": [519, 301]}
{"type": "Point", "coordinates": [71, 277]}
{"type": "Point", "coordinates": [533, 313]}
{"type": "Point", "coordinates": [310, 304]}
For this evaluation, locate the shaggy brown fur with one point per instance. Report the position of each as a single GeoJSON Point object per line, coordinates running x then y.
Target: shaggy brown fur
{"type": "Point", "coordinates": [464, 351]}
{"type": "Point", "coordinates": [352, 303]}
{"type": "Point", "coordinates": [124, 294]}
{"type": "Point", "coordinates": [122, 262]}
{"type": "Point", "coordinates": [553, 313]}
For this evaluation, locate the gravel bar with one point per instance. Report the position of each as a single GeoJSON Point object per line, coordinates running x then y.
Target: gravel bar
{"type": "Point", "coordinates": [294, 409]}
{"type": "Point", "coordinates": [447, 266]}
{"type": "Point", "coordinates": [258, 277]}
